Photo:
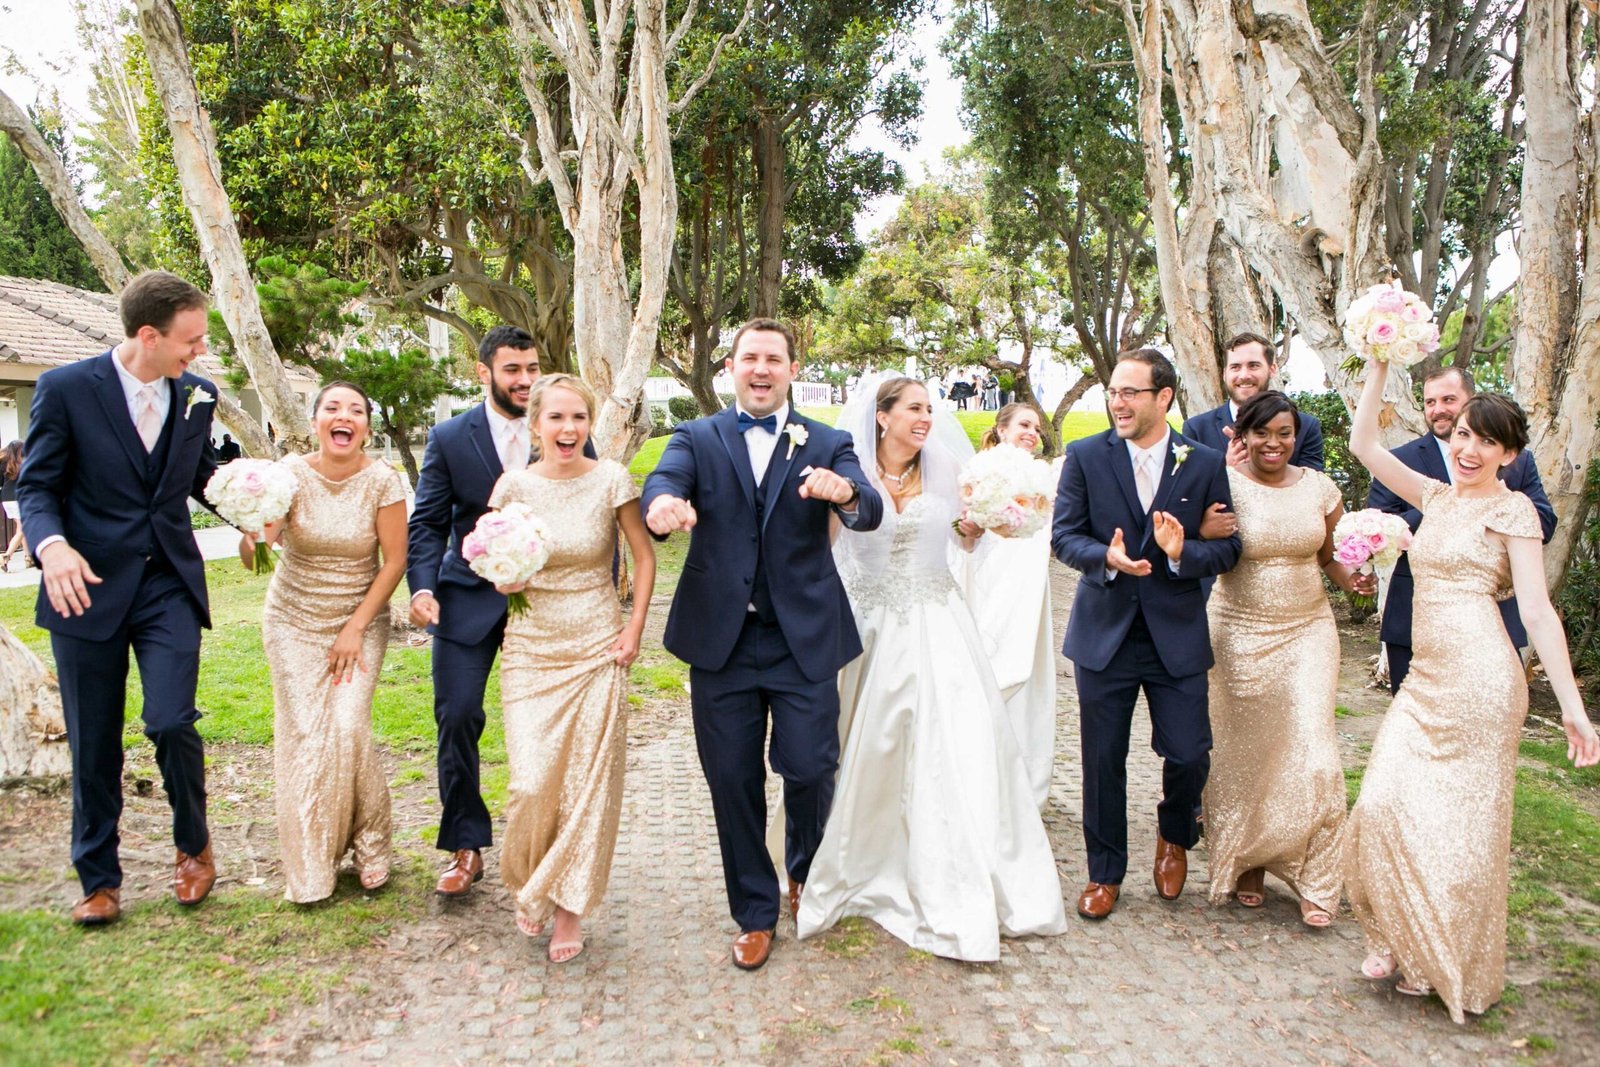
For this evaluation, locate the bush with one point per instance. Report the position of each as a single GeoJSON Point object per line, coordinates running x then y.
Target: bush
{"type": "Point", "coordinates": [683, 408]}
{"type": "Point", "coordinates": [1347, 472]}
{"type": "Point", "coordinates": [660, 420]}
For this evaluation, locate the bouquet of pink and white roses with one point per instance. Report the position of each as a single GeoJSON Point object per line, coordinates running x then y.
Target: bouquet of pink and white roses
{"type": "Point", "coordinates": [1007, 492]}
{"type": "Point", "coordinates": [1389, 325]}
{"type": "Point", "coordinates": [1369, 540]}
{"type": "Point", "coordinates": [508, 547]}
{"type": "Point", "coordinates": [249, 494]}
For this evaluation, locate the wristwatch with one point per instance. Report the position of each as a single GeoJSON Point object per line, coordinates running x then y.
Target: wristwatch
{"type": "Point", "coordinates": [855, 493]}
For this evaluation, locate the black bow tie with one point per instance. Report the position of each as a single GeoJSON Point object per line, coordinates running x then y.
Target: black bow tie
{"type": "Point", "coordinates": [768, 423]}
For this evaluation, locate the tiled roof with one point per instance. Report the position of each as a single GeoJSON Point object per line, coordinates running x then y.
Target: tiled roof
{"type": "Point", "coordinates": [47, 324]}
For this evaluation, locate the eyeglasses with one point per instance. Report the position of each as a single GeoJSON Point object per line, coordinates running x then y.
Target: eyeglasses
{"type": "Point", "coordinates": [1127, 394]}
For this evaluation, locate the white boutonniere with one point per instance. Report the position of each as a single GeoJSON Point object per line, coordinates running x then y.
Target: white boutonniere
{"type": "Point", "coordinates": [1180, 453]}
{"type": "Point", "coordinates": [195, 398]}
{"type": "Point", "coordinates": [797, 434]}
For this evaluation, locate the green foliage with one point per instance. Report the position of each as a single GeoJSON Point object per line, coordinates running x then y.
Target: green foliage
{"type": "Point", "coordinates": [1579, 600]}
{"type": "Point", "coordinates": [1348, 473]}
{"type": "Point", "coordinates": [682, 408]}
{"type": "Point", "coordinates": [34, 241]}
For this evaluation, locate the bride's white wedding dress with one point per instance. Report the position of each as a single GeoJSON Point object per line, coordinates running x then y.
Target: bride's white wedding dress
{"type": "Point", "coordinates": [935, 832]}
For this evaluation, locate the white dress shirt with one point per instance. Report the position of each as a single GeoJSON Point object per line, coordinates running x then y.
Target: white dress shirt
{"type": "Point", "coordinates": [1444, 453]}
{"type": "Point", "coordinates": [762, 444]}
{"type": "Point", "coordinates": [504, 430]}
{"type": "Point", "coordinates": [132, 387]}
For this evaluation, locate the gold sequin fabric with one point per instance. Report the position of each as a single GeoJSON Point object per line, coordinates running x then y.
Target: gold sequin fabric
{"type": "Point", "coordinates": [1428, 842]}
{"type": "Point", "coordinates": [332, 795]}
{"type": "Point", "coordinates": [1276, 796]}
{"type": "Point", "coordinates": [564, 697]}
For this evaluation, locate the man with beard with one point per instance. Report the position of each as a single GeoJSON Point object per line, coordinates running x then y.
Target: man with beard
{"type": "Point", "coordinates": [465, 457]}
{"type": "Point", "coordinates": [1250, 365]}
{"type": "Point", "coordinates": [1444, 392]}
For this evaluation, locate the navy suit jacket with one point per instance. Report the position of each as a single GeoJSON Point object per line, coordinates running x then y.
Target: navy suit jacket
{"type": "Point", "coordinates": [1422, 455]}
{"type": "Point", "coordinates": [708, 464]}
{"type": "Point", "coordinates": [1096, 497]}
{"type": "Point", "coordinates": [459, 469]}
{"type": "Point", "coordinates": [88, 478]}
{"type": "Point", "coordinates": [1207, 426]}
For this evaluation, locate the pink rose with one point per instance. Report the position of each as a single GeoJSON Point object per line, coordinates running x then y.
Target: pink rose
{"type": "Point", "coordinates": [1414, 312]}
{"type": "Point", "coordinates": [252, 482]}
{"type": "Point", "coordinates": [1378, 542]}
{"type": "Point", "coordinates": [1390, 301]}
{"type": "Point", "coordinates": [1351, 553]}
{"type": "Point", "coordinates": [1381, 333]}
{"type": "Point", "coordinates": [471, 548]}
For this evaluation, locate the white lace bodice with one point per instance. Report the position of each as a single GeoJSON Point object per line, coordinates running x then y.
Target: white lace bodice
{"type": "Point", "coordinates": [904, 562]}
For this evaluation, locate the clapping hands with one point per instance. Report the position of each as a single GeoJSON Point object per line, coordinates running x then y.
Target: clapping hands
{"type": "Point", "coordinates": [1117, 558]}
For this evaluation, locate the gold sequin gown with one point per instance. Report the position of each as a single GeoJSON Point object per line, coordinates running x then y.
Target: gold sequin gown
{"type": "Point", "coordinates": [1276, 796]}
{"type": "Point", "coordinates": [1428, 843]}
{"type": "Point", "coordinates": [564, 698]}
{"type": "Point", "coordinates": [332, 794]}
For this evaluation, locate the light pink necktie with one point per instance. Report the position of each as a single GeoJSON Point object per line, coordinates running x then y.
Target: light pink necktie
{"type": "Point", "coordinates": [148, 423]}
{"type": "Point", "coordinates": [1143, 482]}
{"type": "Point", "coordinates": [517, 448]}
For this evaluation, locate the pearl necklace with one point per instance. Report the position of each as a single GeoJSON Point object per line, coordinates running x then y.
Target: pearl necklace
{"type": "Point", "coordinates": [898, 479]}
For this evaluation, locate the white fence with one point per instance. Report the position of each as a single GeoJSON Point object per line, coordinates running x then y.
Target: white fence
{"type": "Point", "coordinates": [806, 394]}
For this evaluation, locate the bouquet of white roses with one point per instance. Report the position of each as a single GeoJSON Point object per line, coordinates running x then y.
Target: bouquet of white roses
{"type": "Point", "coordinates": [1389, 325]}
{"type": "Point", "coordinates": [249, 494]}
{"type": "Point", "coordinates": [1007, 492]}
{"type": "Point", "coordinates": [1370, 539]}
{"type": "Point", "coordinates": [508, 547]}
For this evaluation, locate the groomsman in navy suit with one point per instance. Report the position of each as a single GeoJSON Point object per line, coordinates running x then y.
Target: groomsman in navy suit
{"type": "Point", "coordinates": [116, 447]}
{"type": "Point", "coordinates": [1444, 392]}
{"type": "Point", "coordinates": [465, 457]}
{"type": "Point", "coordinates": [1127, 518]}
{"type": "Point", "coordinates": [760, 614]}
{"type": "Point", "coordinates": [1251, 363]}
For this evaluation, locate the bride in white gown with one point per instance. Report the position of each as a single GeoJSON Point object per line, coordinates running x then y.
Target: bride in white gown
{"type": "Point", "coordinates": [934, 832]}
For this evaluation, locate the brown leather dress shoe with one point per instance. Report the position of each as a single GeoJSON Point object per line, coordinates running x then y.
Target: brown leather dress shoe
{"type": "Point", "coordinates": [751, 949]}
{"type": "Point", "coordinates": [1172, 868]}
{"type": "Point", "coordinates": [466, 867]}
{"type": "Point", "coordinates": [1096, 900]}
{"type": "Point", "coordinates": [98, 908]}
{"type": "Point", "coordinates": [194, 876]}
{"type": "Point", "coordinates": [795, 889]}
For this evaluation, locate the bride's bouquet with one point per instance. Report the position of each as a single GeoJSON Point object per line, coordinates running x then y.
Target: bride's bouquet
{"type": "Point", "coordinates": [1388, 325]}
{"type": "Point", "coordinates": [249, 494]}
{"type": "Point", "coordinates": [508, 547]}
{"type": "Point", "coordinates": [1007, 492]}
{"type": "Point", "coordinates": [1370, 539]}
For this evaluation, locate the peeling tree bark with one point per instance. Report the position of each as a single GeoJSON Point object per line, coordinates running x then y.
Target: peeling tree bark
{"type": "Point", "coordinates": [33, 733]}
{"type": "Point", "coordinates": [1556, 362]}
{"type": "Point", "coordinates": [194, 149]}
{"type": "Point", "coordinates": [58, 183]}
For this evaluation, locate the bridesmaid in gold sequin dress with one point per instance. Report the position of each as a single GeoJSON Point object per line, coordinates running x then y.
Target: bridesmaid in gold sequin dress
{"type": "Point", "coordinates": [564, 671]}
{"type": "Point", "coordinates": [1275, 801]}
{"type": "Point", "coordinates": [325, 630]}
{"type": "Point", "coordinates": [1428, 842]}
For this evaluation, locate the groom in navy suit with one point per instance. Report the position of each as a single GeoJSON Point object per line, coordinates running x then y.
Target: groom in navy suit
{"type": "Point", "coordinates": [1444, 392]}
{"type": "Point", "coordinates": [116, 447]}
{"type": "Point", "coordinates": [1128, 513]}
{"type": "Point", "coordinates": [760, 615]}
{"type": "Point", "coordinates": [465, 457]}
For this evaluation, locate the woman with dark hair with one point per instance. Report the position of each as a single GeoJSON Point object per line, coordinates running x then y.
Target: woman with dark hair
{"type": "Point", "coordinates": [325, 629]}
{"type": "Point", "coordinates": [1275, 801]}
{"type": "Point", "coordinates": [1427, 846]}
{"type": "Point", "coordinates": [1008, 589]}
{"type": "Point", "coordinates": [934, 833]}
{"type": "Point", "coordinates": [11, 527]}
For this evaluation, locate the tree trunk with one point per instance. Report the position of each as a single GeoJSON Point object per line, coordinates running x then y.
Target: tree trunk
{"type": "Point", "coordinates": [33, 734]}
{"type": "Point", "coordinates": [771, 164]}
{"type": "Point", "coordinates": [194, 150]}
{"type": "Point", "coordinates": [1052, 426]}
{"type": "Point", "coordinates": [57, 182]}
{"type": "Point", "coordinates": [1556, 362]}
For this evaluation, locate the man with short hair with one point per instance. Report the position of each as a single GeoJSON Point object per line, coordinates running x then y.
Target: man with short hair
{"type": "Point", "coordinates": [1250, 365]}
{"type": "Point", "coordinates": [116, 447]}
{"type": "Point", "coordinates": [1128, 511]}
{"type": "Point", "coordinates": [464, 458]}
{"type": "Point", "coordinates": [1444, 392]}
{"type": "Point", "coordinates": [229, 450]}
{"type": "Point", "coordinates": [760, 614]}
